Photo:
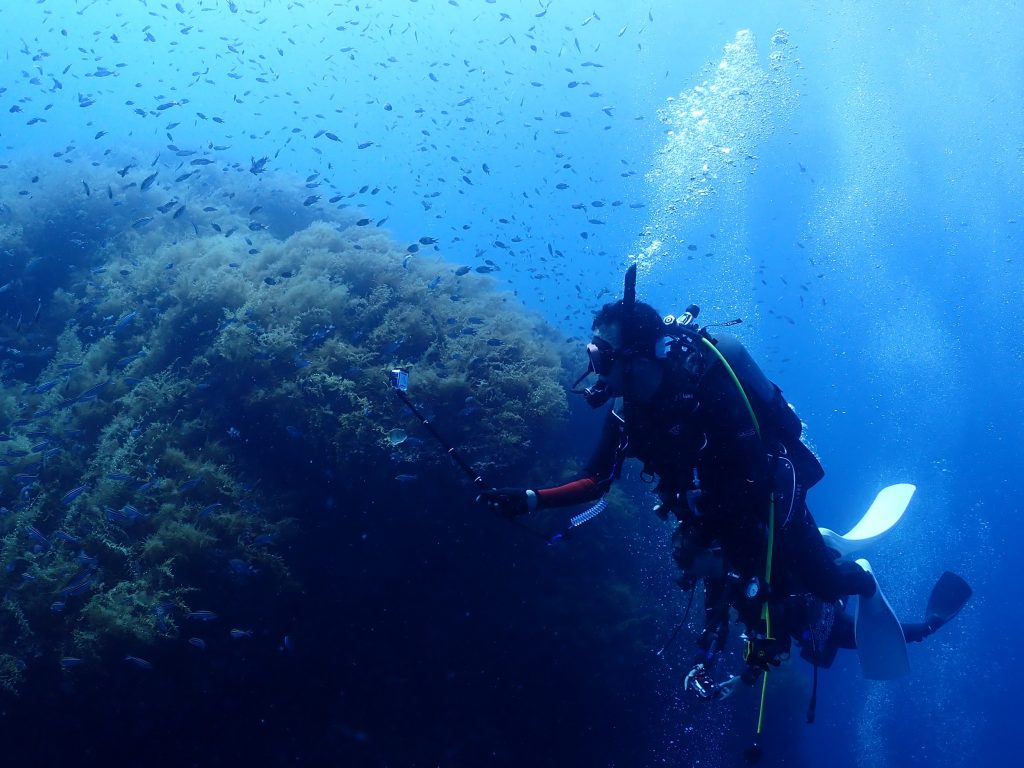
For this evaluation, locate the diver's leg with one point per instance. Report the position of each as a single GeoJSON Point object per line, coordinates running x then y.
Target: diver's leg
{"type": "Point", "coordinates": [813, 563]}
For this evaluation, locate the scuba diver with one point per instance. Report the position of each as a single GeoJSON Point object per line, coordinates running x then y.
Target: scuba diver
{"type": "Point", "coordinates": [723, 449]}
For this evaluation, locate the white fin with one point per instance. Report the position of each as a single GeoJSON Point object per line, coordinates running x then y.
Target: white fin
{"type": "Point", "coordinates": [881, 645]}
{"type": "Point", "coordinates": [885, 511]}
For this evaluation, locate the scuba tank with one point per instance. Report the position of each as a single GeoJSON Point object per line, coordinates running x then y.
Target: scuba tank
{"type": "Point", "coordinates": [781, 428]}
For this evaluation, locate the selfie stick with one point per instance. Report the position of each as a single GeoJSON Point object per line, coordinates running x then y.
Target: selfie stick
{"type": "Point", "coordinates": [399, 378]}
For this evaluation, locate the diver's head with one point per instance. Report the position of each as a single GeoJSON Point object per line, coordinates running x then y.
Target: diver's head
{"type": "Point", "coordinates": [628, 332]}
{"type": "Point", "coordinates": [622, 352]}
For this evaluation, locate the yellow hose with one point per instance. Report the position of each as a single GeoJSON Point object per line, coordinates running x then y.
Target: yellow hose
{"type": "Point", "coordinates": [765, 613]}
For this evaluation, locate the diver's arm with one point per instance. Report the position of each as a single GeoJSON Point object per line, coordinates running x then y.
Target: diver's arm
{"type": "Point", "coordinates": [576, 492]}
{"type": "Point", "coordinates": [598, 473]}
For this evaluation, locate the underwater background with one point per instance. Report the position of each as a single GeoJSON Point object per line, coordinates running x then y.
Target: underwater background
{"type": "Point", "coordinates": [225, 541]}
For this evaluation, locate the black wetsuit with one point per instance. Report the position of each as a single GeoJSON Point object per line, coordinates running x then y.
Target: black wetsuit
{"type": "Point", "coordinates": [716, 472]}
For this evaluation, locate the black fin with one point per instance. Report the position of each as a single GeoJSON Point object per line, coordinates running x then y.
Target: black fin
{"type": "Point", "coordinates": [949, 595]}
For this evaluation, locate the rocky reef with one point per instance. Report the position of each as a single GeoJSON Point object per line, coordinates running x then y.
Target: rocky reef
{"type": "Point", "coordinates": [186, 368]}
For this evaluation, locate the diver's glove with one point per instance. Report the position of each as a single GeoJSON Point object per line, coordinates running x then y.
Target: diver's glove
{"type": "Point", "coordinates": [508, 502]}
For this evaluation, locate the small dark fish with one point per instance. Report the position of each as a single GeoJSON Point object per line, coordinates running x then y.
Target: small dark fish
{"type": "Point", "coordinates": [74, 493]}
{"type": "Point", "coordinates": [188, 485]}
{"type": "Point", "coordinates": [124, 362]}
{"type": "Point", "coordinates": [69, 662]}
{"type": "Point", "coordinates": [79, 584]}
{"type": "Point", "coordinates": [197, 642]}
{"type": "Point", "coordinates": [202, 161]}
{"type": "Point", "coordinates": [87, 561]}
{"type": "Point", "coordinates": [125, 320]}
{"type": "Point", "coordinates": [406, 478]}
{"type": "Point", "coordinates": [36, 535]}
{"type": "Point", "coordinates": [138, 662]}
{"type": "Point", "coordinates": [238, 634]}
{"type": "Point", "coordinates": [115, 515]}
{"type": "Point", "coordinates": [205, 511]}
{"type": "Point", "coordinates": [148, 181]}
{"type": "Point", "coordinates": [310, 200]}
{"type": "Point", "coordinates": [365, 144]}
{"type": "Point", "coordinates": [462, 271]}
{"type": "Point", "coordinates": [46, 386]}
{"type": "Point", "coordinates": [140, 223]}
{"type": "Point", "coordinates": [202, 615]}
{"type": "Point", "coordinates": [91, 393]}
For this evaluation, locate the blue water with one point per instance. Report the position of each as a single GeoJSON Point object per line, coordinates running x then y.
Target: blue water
{"type": "Point", "coordinates": [847, 178]}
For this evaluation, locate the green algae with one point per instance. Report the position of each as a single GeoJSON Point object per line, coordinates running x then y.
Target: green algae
{"type": "Point", "coordinates": [248, 358]}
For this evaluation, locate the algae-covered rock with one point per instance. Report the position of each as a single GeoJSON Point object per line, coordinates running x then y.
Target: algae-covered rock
{"type": "Point", "coordinates": [191, 384]}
